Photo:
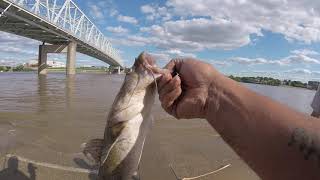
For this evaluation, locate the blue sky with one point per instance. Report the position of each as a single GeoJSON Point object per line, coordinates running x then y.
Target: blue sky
{"type": "Point", "coordinates": [275, 38]}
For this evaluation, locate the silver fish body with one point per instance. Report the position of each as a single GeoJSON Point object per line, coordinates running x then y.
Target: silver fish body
{"type": "Point", "coordinates": [128, 123]}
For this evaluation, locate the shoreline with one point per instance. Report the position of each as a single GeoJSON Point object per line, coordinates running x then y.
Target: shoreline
{"type": "Point", "coordinates": [108, 73]}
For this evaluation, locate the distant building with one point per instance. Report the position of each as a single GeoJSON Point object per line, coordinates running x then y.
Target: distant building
{"type": "Point", "coordinates": [56, 64]}
{"type": "Point", "coordinates": [31, 63]}
{"type": "Point", "coordinates": [313, 85]}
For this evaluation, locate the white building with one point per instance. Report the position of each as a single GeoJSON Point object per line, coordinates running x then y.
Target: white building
{"type": "Point", "coordinates": [56, 64]}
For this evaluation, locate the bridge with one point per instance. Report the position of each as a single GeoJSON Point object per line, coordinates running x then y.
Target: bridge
{"type": "Point", "coordinates": [61, 26]}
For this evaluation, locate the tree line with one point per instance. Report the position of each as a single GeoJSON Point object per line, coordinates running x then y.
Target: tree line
{"type": "Point", "coordinates": [269, 81]}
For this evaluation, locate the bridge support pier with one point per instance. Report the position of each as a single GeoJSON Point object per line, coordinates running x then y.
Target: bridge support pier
{"type": "Point", "coordinates": [71, 58]}
{"type": "Point", "coordinates": [42, 60]}
{"type": "Point", "coordinates": [70, 49]}
{"type": "Point", "coordinates": [119, 70]}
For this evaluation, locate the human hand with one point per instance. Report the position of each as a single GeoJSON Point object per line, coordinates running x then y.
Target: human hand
{"type": "Point", "coordinates": [184, 87]}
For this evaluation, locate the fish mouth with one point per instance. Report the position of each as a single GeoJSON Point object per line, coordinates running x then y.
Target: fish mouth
{"type": "Point", "coordinates": [144, 60]}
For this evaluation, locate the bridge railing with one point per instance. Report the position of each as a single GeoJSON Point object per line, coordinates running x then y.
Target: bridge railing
{"type": "Point", "coordinates": [66, 15]}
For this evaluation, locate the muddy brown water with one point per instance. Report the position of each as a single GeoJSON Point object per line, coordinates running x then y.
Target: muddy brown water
{"type": "Point", "coordinates": [45, 119]}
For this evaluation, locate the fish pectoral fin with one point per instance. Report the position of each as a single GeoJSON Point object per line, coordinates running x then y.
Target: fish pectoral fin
{"type": "Point", "coordinates": [92, 150]}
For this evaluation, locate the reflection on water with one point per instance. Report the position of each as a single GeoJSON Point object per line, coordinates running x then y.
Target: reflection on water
{"type": "Point", "coordinates": [296, 98]}
{"type": "Point", "coordinates": [47, 118]}
{"type": "Point", "coordinates": [53, 114]}
{"type": "Point", "coordinates": [66, 88]}
{"type": "Point", "coordinates": [42, 92]}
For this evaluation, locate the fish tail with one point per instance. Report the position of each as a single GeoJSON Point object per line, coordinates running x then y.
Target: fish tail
{"type": "Point", "coordinates": [92, 150]}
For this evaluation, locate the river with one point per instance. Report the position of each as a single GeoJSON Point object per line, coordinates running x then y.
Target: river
{"type": "Point", "coordinates": [45, 119]}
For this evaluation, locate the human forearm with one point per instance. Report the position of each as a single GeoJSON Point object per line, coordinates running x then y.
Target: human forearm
{"type": "Point", "coordinates": [260, 129]}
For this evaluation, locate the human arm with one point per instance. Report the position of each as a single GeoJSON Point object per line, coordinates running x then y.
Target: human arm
{"type": "Point", "coordinates": [274, 140]}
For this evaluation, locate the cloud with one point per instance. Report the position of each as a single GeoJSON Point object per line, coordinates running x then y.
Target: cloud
{"type": "Point", "coordinates": [127, 19]}
{"type": "Point", "coordinates": [302, 71]}
{"type": "Point", "coordinates": [161, 56]}
{"type": "Point", "coordinates": [179, 53]}
{"type": "Point", "coordinates": [299, 58]}
{"type": "Point", "coordinates": [96, 11]}
{"type": "Point", "coordinates": [296, 57]}
{"type": "Point", "coordinates": [200, 34]}
{"type": "Point", "coordinates": [147, 9]}
{"type": "Point", "coordinates": [113, 12]}
{"type": "Point", "coordinates": [12, 39]}
{"type": "Point", "coordinates": [17, 47]}
{"type": "Point", "coordinates": [248, 61]}
{"type": "Point", "coordinates": [219, 63]}
{"type": "Point", "coordinates": [17, 50]}
{"type": "Point", "coordinates": [305, 52]}
{"type": "Point", "coordinates": [194, 26]}
{"type": "Point", "coordinates": [296, 19]}
{"type": "Point", "coordinates": [100, 9]}
{"type": "Point", "coordinates": [170, 54]}
{"type": "Point", "coordinates": [155, 12]}
{"type": "Point", "coordinates": [117, 29]}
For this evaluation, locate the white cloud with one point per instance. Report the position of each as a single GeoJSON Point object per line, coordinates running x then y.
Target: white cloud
{"type": "Point", "coordinates": [161, 56]}
{"type": "Point", "coordinates": [113, 12]}
{"type": "Point", "coordinates": [295, 19]}
{"type": "Point", "coordinates": [179, 53]}
{"type": "Point", "coordinates": [248, 61]}
{"type": "Point", "coordinates": [221, 24]}
{"type": "Point", "coordinates": [219, 63]}
{"type": "Point", "coordinates": [117, 29]}
{"type": "Point", "coordinates": [299, 71]}
{"type": "Point", "coordinates": [100, 9]}
{"type": "Point", "coordinates": [96, 11]}
{"type": "Point", "coordinates": [304, 52]}
{"type": "Point", "coordinates": [17, 50]}
{"type": "Point", "coordinates": [147, 9]}
{"type": "Point", "coordinates": [127, 19]}
{"type": "Point", "coordinates": [302, 71]}
{"type": "Point", "coordinates": [200, 33]}
{"type": "Point", "coordinates": [12, 39]}
{"type": "Point", "coordinates": [154, 12]}
{"type": "Point", "coordinates": [17, 47]}
{"type": "Point", "coordinates": [297, 57]}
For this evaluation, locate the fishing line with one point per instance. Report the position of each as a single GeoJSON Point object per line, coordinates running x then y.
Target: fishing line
{"type": "Point", "coordinates": [153, 76]}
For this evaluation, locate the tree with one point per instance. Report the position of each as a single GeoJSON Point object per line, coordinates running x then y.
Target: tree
{"type": "Point", "coordinates": [18, 68]}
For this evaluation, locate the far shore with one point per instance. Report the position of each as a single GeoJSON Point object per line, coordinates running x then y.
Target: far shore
{"type": "Point", "coordinates": [100, 71]}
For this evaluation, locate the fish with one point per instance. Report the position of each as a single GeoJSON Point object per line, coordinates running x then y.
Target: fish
{"type": "Point", "coordinates": [128, 123]}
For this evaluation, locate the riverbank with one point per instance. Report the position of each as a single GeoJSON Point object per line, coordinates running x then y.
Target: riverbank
{"type": "Point", "coordinates": [312, 85]}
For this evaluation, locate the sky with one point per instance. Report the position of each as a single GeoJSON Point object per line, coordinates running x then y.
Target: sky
{"type": "Point", "coordinates": [277, 38]}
